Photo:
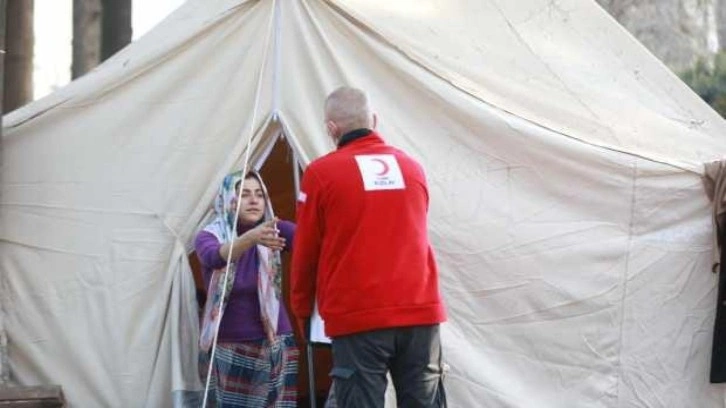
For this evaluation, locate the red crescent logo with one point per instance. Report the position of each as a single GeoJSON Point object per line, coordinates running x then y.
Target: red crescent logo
{"type": "Point", "coordinates": [385, 167]}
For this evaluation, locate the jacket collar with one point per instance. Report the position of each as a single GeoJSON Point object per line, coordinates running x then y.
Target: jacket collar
{"type": "Point", "coordinates": [353, 135]}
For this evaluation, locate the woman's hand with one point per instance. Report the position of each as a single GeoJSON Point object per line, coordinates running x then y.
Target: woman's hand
{"type": "Point", "coordinates": [264, 234]}
{"type": "Point", "coordinates": [267, 234]}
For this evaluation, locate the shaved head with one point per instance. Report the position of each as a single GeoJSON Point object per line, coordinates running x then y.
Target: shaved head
{"type": "Point", "coordinates": [347, 108]}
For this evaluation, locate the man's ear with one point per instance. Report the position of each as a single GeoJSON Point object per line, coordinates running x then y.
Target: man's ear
{"type": "Point", "coordinates": [332, 129]}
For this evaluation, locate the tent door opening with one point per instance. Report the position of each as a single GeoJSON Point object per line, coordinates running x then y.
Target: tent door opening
{"type": "Point", "coordinates": [278, 172]}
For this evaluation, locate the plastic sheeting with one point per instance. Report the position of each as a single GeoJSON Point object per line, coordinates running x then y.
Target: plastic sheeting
{"type": "Point", "coordinates": [567, 213]}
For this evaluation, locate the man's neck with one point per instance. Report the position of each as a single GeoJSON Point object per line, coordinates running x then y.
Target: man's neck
{"type": "Point", "coordinates": [353, 135]}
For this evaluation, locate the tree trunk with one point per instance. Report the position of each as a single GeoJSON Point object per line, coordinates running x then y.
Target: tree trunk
{"type": "Point", "coordinates": [679, 32]}
{"type": "Point", "coordinates": [3, 53]}
{"type": "Point", "coordinates": [618, 8]}
{"type": "Point", "coordinates": [116, 26]}
{"type": "Point", "coordinates": [18, 80]}
{"type": "Point", "coordinates": [721, 23]}
{"type": "Point", "coordinates": [4, 361]}
{"type": "Point", "coordinates": [86, 36]}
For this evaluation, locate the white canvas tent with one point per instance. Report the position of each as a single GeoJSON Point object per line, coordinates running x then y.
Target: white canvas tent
{"type": "Point", "coordinates": [564, 162]}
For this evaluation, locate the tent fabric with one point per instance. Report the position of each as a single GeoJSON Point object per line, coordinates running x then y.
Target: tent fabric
{"type": "Point", "coordinates": [564, 163]}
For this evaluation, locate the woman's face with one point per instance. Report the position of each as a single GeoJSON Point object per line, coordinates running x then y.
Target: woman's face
{"type": "Point", "coordinates": [252, 202]}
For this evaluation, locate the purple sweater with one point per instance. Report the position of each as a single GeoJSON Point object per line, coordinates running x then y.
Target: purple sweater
{"type": "Point", "coordinates": [241, 320]}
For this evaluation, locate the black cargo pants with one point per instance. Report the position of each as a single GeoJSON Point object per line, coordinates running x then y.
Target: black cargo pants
{"type": "Point", "coordinates": [413, 356]}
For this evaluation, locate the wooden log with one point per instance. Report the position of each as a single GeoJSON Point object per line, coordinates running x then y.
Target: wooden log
{"type": "Point", "coordinates": [41, 396]}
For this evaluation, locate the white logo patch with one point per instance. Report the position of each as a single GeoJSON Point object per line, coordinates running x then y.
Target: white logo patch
{"type": "Point", "coordinates": [380, 172]}
{"type": "Point", "coordinates": [302, 197]}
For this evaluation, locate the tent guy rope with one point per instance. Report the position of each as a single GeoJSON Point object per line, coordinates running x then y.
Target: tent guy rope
{"type": "Point", "coordinates": [245, 165]}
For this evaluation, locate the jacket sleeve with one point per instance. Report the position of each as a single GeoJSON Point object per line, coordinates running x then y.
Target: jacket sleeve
{"type": "Point", "coordinates": [307, 244]}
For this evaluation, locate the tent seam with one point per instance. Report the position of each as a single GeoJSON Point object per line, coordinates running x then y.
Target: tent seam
{"type": "Point", "coordinates": [549, 68]}
{"type": "Point", "coordinates": [626, 271]}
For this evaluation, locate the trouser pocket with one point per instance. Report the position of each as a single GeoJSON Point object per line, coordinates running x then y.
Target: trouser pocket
{"type": "Point", "coordinates": [346, 390]}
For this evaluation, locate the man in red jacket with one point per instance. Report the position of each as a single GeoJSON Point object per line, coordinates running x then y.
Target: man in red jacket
{"type": "Point", "coordinates": [362, 250]}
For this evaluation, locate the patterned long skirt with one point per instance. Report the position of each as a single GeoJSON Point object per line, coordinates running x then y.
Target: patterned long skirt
{"type": "Point", "coordinates": [256, 374]}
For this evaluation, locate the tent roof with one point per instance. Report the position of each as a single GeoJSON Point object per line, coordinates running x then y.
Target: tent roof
{"type": "Point", "coordinates": [566, 66]}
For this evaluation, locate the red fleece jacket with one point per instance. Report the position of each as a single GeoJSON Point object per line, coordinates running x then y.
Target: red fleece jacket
{"type": "Point", "coordinates": [361, 244]}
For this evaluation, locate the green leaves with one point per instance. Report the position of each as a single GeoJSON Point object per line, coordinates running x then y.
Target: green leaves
{"type": "Point", "coordinates": [709, 82]}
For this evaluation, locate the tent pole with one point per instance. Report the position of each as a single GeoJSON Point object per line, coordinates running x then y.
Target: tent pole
{"type": "Point", "coordinates": [308, 346]}
{"type": "Point", "coordinates": [311, 375]}
{"type": "Point", "coordinates": [296, 174]}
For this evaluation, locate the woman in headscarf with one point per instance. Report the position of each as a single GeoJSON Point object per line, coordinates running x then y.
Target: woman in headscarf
{"type": "Point", "coordinates": [256, 359]}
